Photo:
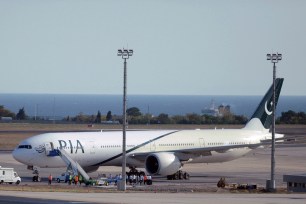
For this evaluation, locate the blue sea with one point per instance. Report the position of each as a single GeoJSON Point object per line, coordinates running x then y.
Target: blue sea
{"type": "Point", "coordinates": [62, 105]}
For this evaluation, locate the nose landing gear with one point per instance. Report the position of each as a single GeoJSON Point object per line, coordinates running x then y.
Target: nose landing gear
{"type": "Point", "coordinates": [36, 177]}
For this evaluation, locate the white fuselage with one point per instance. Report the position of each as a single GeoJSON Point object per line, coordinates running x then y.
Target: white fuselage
{"type": "Point", "coordinates": [105, 148]}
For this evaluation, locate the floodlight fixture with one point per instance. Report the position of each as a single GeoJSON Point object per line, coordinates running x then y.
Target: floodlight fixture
{"type": "Point", "coordinates": [125, 53]}
{"type": "Point", "coordinates": [275, 57]}
{"type": "Point", "coordinates": [119, 53]}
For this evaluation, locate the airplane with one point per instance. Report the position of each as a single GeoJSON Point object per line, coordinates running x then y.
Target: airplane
{"type": "Point", "coordinates": [160, 152]}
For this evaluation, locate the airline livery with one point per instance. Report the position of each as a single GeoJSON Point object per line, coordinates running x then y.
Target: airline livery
{"type": "Point", "coordinates": [160, 152]}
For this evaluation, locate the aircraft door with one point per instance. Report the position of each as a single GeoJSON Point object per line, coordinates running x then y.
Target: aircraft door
{"type": "Point", "coordinates": [152, 146]}
{"type": "Point", "coordinates": [48, 147]}
{"type": "Point", "coordinates": [92, 148]}
{"type": "Point", "coordinates": [202, 142]}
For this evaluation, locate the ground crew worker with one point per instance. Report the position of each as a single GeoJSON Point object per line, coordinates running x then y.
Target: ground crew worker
{"type": "Point", "coordinates": [50, 179]}
{"type": "Point", "coordinates": [80, 179]}
{"type": "Point", "coordinates": [70, 179]}
{"type": "Point", "coordinates": [134, 179]}
{"type": "Point", "coordinates": [67, 178]}
{"type": "Point", "coordinates": [149, 180]}
{"type": "Point", "coordinates": [145, 180]}
{"type": "Point", "coordinates": [76, 179]}
{"type": "Point", "coordinates": [130, 179]}
{"type": "Point", "coordinates": [141, 179]}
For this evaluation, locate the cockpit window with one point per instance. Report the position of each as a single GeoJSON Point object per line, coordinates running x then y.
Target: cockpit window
{"type": "Point", "coordinates": [24, 147]}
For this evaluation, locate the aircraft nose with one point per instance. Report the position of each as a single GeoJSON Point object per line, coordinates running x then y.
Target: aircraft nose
{"type": "Point", "coordinates": [21, 155]}
{"type": "Point", "coordinates": [17, 155]}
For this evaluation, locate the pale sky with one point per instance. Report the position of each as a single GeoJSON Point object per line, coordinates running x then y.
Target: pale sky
{"type": "Point", "coordinates": [181, 47]}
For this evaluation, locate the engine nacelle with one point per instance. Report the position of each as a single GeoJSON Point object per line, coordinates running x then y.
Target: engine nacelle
{"type": "Point", "coordinates": [90, 169]}
{"type": "Point", "coordinates": [162, 163]}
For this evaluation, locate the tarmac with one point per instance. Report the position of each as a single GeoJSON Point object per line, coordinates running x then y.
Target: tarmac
{"type": "Point", "coordinates": [151, 198]}
{"type": "Point", "coordinates": [254, 168]}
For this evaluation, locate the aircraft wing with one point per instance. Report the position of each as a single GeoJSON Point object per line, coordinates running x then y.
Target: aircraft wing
{"type": "Point", "coordinates": [187, 154]}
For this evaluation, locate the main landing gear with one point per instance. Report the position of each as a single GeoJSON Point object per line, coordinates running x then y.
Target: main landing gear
{"type": "Point", "coordinates": [134, 171]}
{"type": "Point", "coordinates": [179, 175]}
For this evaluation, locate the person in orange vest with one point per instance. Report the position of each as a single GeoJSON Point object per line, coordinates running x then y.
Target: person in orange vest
{"type": "Point", "coordinates": [145, 180]}
{"type": "Point", "coordinates": [76, 179]}
{"type": "Point", "coordinates": [50, 179]}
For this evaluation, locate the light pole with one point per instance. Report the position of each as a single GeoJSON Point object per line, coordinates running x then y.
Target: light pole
{"type": "Point", "coordinates": [274, 58]}
{"type": "Point", "coordinates": [125, 54]}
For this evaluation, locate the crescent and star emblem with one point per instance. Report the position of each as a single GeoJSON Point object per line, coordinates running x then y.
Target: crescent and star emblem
{"type": "Point", "coordinates": [266, 108]}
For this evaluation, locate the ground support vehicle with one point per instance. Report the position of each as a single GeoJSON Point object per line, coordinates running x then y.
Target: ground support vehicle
{"type": "Point", "coordinates": [64, 177]}
{"type": "Point", "coordinates": [8, 175]}
{"type": "Point", "coordinates": [90, 182]}
{"type": "Point", "coordinates": [103, 181]}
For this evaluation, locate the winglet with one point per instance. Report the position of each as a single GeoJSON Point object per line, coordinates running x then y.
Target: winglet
{"type": "Point", "coordinates": [263, 112]}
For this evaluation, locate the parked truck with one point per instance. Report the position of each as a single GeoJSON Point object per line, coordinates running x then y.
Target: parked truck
{"type": "Point", "coordinates": [8, 175]}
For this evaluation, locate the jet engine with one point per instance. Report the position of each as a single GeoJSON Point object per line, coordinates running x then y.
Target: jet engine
{"type": "Point", "coordinates": [162, 163]}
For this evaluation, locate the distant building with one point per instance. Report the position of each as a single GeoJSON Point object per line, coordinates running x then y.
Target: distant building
{"type": "Point", "coordinates": [6, 119]}
{"type": "Point", "coordinates": [220, 111]}
{"type": "Point", "coordinates": [295, 183]}
{"type": "Point", "coordinates": [224, 110]}
{"type": "Point", "coordinates": [110, 122]}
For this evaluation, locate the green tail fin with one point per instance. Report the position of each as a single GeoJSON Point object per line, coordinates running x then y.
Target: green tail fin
{"type": "Point", "coordinates": [264, 109]}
